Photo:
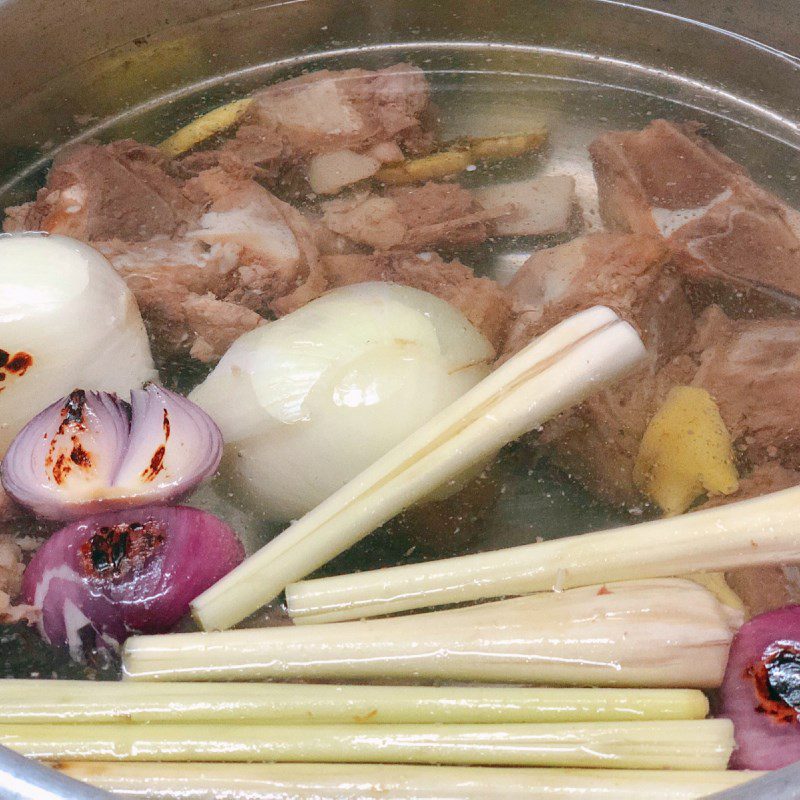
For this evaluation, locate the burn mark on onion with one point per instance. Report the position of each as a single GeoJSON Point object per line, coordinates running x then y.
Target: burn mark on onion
{"type": "Point", "coordinates": [78, 455]}
{"type": "Point", "coordinates": [19, 364]}
{"type": "Point", "coordinates": [156, 464]}
{"type": "Point", "coordinates": [116, 550]}
{"type": "Point", "coordinates": [776, 680]}
{"type": "Point", "coordinates": [14, 366]}
{"type": "Point", "coordinates": [73, 411]}
{"type": "Point", "coordinates": [72, 422]}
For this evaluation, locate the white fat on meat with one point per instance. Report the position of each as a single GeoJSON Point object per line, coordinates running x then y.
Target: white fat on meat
{"type": "Point", "coordinates": [537, 207]}
{"type": "Point", "coordinates": [669, 220]}
{"type": "Point", "coordinates": [328, 173]}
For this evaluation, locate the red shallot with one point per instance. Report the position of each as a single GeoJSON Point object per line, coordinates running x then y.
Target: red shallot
{"type": "Point", "coordinates": [761, 690]}
{"type": "Point", "coordinates": [93, 452]}
{"type": "Point", "coordinates": [98, 580]}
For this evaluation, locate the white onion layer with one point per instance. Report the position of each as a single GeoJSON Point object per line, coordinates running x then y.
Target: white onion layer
{"type": "Point", "coordinates": [62, 304]}
{"type": "Point", "coordinates": [308, 402]}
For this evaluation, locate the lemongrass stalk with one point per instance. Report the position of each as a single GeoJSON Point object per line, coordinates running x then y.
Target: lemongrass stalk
{"type": "Point", "coordinates": [556, 371]}
{"type": "Point", "coordinates": [764, 530]}
{"type": "Point", "coordinates": [670, 744]}
{"type": "Point", "coordinates": [409, 782]}
{"type": "Point", "coordinates": [666, 633]}
{"type": "Point", "coordinates": [42, 702]}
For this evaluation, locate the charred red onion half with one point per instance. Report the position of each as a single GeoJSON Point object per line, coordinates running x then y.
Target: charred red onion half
{"type": "Point", "coordinates": [98, 580]}
{"type": "Point", "coordinates": [93, 452]}
{"type": "Point", "coordinates": [761, 690]}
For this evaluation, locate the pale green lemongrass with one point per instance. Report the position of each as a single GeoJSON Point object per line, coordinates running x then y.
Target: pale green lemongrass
{"type": "Point", "coordinates": [662, 744]}
{"type": "Point", "coordinates": [554, 372]}
{"type": "Point", "coordinates": [764, 530]}
{"type": "Point", "coordinates": [42, 702]}
{"type": "Point", "coordinates": [661, 633]}
{"type": "Point", "coordinates": [392, 782]}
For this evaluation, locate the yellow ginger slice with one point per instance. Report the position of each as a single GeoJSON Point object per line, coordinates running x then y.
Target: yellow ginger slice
{"type": "Point", "coordinates": [205, 127]}
{"type": "Point", "coordinates": [457, 156]}
{"type": "Point", "coordinates": [685, 452]}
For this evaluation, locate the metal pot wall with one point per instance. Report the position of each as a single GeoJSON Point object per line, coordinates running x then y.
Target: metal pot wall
{"type": "Point", "coordinates": [79, 68]}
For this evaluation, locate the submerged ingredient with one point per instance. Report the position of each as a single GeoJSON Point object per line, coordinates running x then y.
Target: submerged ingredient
{"type": "Point", "coordinates": [65, 317]}
{"type": "Point", "coordinates": [685, 452]}
{"type": "Point", "coordinates": [92, 451]}
{"type": "Point", "coordinates": [551, 374]}
{"type": "Point", "coordinates": [324, 392]}
{"type": "Point", "coordinates": [99, 580]}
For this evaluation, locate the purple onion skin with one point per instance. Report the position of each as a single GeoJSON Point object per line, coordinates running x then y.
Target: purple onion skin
{"type": "Point", "coordinates": [101, 579]}
{"type": "Point", "coordinates": [92, 452]}
{"type": "Point", "coordinates": [766, 727]}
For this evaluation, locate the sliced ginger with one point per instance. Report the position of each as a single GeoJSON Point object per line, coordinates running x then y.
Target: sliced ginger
{"type": "Point", "coordinates": [204, 127]}
{"type": "Point", "coordinates": [685, 452]}
{"type": "Point", "coordinates": [457, 156]}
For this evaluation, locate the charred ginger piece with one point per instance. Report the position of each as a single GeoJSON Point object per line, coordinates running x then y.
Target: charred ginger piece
{"type": "Point", "coordinates": [123, 190]}
{"type": "Point", "coordinates": [629, 273]}
{"type": "Point", "coordinates": [482, 301]}
{"type": "Point", "coordinates": [411, 218]}
{"type": "Point", "coordinates": [290, 123]}
{"type": "Point", "coordinates": [597, 444]}
{"type": "Point", "coordinates": [727, 234]}
{"type": "Point", "coordinates": [752, 369]}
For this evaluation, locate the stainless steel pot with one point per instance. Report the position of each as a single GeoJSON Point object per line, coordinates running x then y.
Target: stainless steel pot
{"type": "Point", "coordinates": [78, 68]}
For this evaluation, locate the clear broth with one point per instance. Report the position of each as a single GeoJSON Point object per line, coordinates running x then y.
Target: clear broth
{"type": "Point", "coordinates": [479, 91]}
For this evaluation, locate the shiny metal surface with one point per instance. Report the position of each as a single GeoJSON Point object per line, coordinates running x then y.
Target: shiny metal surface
{"type": "Point", "coordinates": [21, 779]}
{"type": "Point", "coordinates": [79, 68]}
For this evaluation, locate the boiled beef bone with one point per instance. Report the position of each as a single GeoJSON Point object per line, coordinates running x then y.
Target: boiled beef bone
{"type": "Point", "coordinates": [726, 233]}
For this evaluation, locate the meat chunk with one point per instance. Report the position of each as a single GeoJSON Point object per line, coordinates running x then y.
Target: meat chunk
{"type": "Point", "coordinates": [448, 215]}
{"type": "Point", "coordinates": [11, 569]}
{"type": "Point", "coordinates": [752, 369]}
{"type": "Point", "coordinates": [597, 442]}
{"type": "Point", "coordinates": [123, 190]}
{"type": "Point", "coordinates": [629, 273]}
{"type": "Point", "coordinates": [8, 509]}
{"type": "Point", "coordinates": [328, 111]}
{"type": "Point", "coordinates": [411, 218]}
{"type": "Point", "coordinates": [723, 228]}
{"type": "Point", "coordinates": [537, 207]}
{"type": "Point", "coordinates": [482, 301]}
{"type": "Point", "coordinates": [162, 273]}
{"type": "Point", "coordinates": [277, 245]}
{"type": "Point", "coordinates": [216, 324]}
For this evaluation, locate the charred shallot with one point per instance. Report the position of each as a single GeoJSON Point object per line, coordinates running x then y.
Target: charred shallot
{"type": "Point", "coordinates": [93, 452]}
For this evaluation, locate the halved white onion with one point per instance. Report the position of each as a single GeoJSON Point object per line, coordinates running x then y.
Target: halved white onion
{"type": "Point", "coordinates": [73, 319]}
{"type": "Point", "coordinates": [308, 402]}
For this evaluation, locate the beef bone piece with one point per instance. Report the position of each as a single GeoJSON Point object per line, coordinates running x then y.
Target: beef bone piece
{"type": "Point", "coordinates": [630, 273]}
{"type": "Point", "coordinates": [123, 190]}
{"type": "Point", "coordinates": [352, 111]}
{"type": "Point", "coordinates": [725, 231]}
